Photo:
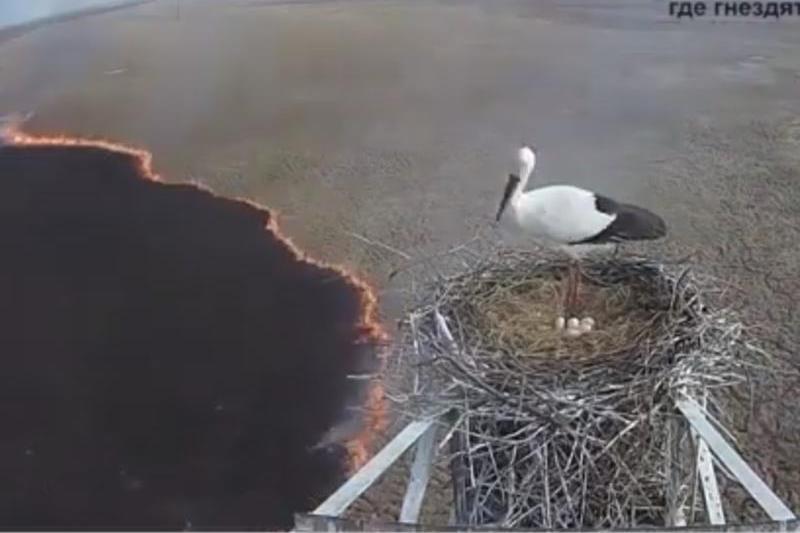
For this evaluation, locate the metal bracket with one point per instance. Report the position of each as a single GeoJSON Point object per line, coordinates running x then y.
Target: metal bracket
{"type": "Point", "coordinates": [727, 455]}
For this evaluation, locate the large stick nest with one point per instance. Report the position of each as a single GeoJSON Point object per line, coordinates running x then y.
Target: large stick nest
{"type": "Point", "coordinates": [560, 432]}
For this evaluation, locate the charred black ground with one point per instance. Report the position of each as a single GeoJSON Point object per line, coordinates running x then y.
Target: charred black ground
{"type": "Point", "coordinates": [167, 362]}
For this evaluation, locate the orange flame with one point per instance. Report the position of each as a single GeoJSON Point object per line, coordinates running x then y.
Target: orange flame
{"type": "Point", "coordinates": [144, 158]}
{"type": "Point", "coordinates": [369, 325]}
{"type": "Point", "coordinates": [375, 423]}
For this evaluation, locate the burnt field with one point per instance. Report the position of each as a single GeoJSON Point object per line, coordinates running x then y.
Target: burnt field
{"type": "Point", "coordinates": [168, 362]}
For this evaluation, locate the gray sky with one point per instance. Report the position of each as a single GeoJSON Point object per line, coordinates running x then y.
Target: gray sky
{"type": "Point", "coordinates": [20, 11]}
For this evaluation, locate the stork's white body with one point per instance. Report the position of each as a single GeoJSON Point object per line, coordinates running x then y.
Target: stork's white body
{"type": "Point", "coordinates": [560, 214]}
{"type": "Point", "coordinates": [557, 215]}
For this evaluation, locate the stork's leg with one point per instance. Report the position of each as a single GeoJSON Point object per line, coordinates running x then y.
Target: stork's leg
{"type": "Point", "coordinates": [576, 299]}
{"type": "Point", "coordinates": [571, 292]}
{"type": "Point", "coordinates": [569, 281]}
{"type": "Point", "coordinates": [576, 287]}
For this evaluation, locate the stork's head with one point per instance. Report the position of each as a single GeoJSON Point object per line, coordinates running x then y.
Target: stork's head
{"type": "Point", "coordinates": [527, 160]}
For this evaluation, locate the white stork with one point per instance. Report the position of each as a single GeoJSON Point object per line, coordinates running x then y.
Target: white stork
{"type": "Point", "coordinates": [566, 216]}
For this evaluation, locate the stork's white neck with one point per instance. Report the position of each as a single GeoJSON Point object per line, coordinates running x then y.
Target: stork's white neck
{"type": "Point", "coordinates": [527, 162]}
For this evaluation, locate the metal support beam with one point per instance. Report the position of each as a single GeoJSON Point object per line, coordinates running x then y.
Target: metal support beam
{"type": "Point", "coordinates": [675, 515]}
{"type": "Point", "coordinates": [708, 480]}
{"type": "Point", "coordinates": [728, 456]}
{"type": "Point", "coordinates": [707, 475]}
{"type": "Point", "coordinates": [354, 487]}
{"type": "Point", "coordinates": [420, 475]}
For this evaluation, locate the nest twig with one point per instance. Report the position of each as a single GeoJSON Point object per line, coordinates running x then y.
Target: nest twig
{"type": "Point", "coordinates": [565, 433]}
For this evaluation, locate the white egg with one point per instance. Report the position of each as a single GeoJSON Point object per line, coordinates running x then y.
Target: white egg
{"type": "Point", "coordinates": [585, 327]}
{"type": "Point", "coordinates": [560, 321]}
{"type": "Point", "coordinates": [573, 323]}
{"type": "Point", "coordinates": [572, 333]}
{"type": "Point", "coordinates": [588, 320]}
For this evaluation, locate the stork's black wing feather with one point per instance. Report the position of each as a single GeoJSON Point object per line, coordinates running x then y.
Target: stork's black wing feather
{"type": "Point", "coordinates": [632, 223]}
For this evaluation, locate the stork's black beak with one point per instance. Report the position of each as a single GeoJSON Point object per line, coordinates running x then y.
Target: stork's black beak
{"type": "Point", "coordinates": [511, 186]}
